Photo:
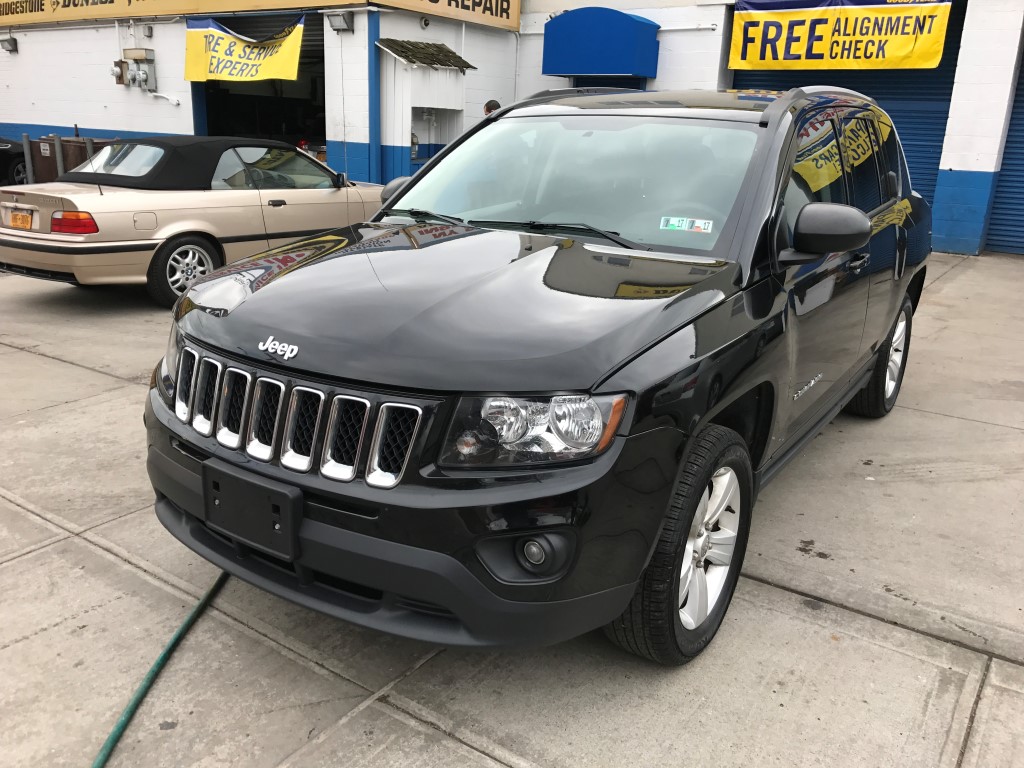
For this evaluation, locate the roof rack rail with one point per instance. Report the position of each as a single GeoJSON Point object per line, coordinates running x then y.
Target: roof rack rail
{"type": "Point", "coordinates": [786, 101]}
{"type": "Point", "coordinates": [554, 93]}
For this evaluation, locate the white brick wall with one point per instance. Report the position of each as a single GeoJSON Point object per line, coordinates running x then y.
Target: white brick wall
{"type": "Point", "coordinates": [345, 83]}
{"type": "Point", "coordinates": [986, 75]}
{"type": "Point", "coordinates": [491, 51]}
{"type": "Point", "coordinates": [61, 76]}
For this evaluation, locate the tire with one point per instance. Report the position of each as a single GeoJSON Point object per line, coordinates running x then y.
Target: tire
{"type": "Point", "coordinates": [652, 626]}
{"type": "Point", "coordinates": [879, 395]}
{"type": "Point", "coordinates": [177, 264]}
{"type": "Point", "coordinates": [17, 172]}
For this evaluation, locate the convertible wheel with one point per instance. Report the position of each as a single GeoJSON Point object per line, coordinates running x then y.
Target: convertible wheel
{"type": "Point", "coordinates": [879, 395]}
{"type": "Point", "coordinates": [178, 263]}
{"type": "Point", "coordinates": [685, 591]}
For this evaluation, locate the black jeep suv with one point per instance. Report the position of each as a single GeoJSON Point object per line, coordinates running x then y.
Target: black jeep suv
{"type": "Point", "coordinates": [539, 392]}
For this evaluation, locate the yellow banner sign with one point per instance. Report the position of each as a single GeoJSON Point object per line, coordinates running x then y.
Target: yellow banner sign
{"type": "Point", "coordinates": [215, 53]}
{"type": "Point", "coordinates": [503, 14]}
{"type": "Point", "coordinates": [848, 34]}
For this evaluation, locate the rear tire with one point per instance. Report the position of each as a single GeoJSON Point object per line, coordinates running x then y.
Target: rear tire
{"type": "Point", "coordinates": [879, 395]}
{"type": "Point", "coordinates": [685, 590]}
{"type": "Point", "coordinates": [177, 264]}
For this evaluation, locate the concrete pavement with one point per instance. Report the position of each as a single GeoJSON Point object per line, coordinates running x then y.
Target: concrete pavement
{"type": "Point", "coordinates": [880, 620]}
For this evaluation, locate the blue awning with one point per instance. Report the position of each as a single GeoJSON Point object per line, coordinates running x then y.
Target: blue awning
{"type": "Point", "coordinates": [600, 41]}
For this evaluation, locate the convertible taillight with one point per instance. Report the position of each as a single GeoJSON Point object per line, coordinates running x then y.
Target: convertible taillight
{"type": "Point", "coordinates": [73, 223]}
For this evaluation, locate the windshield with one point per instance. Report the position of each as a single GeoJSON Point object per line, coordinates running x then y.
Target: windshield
{"type": "Point", "coordinates": [123, 160]}
{"type": "Point", "coordinates": [659, 182]}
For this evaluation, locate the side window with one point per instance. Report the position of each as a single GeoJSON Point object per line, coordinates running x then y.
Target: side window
{"type": "Point", "coordinates": [274, 168]}
{"type": "Point", "coordinates": [230, 173]}
{"type": "Point", "coordinates": [862, 155]}
{"type": "Point", "coordinates": [817, 175]}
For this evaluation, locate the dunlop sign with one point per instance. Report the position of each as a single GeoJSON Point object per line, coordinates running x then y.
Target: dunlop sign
{"type": "Point", "coordinates": [838, 34]}
{"type": "Point", "coordinates": [213, 52]}
{"type": "Point", "coordinates": [503, 14]}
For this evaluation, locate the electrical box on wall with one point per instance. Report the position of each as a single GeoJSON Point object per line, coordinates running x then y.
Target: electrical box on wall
{"type": "Point", "coordinates": [141, 68]}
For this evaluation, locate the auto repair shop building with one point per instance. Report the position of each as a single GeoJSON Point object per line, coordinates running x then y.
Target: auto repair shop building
{"type": "Point", "coordinates": [383, 86]}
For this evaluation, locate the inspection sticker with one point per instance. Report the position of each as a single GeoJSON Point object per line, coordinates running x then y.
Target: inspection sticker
{"type": "Point", "coordinates": [687, 225]}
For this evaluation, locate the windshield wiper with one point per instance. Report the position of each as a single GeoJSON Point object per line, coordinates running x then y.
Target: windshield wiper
{"type": "Point", "coordinates": [421, 216]}
{"type": "Point", "coordinates": [540, 226]}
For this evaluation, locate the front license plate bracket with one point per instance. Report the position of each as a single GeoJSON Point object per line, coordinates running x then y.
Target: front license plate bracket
{"type": "Point", "coordinates": [256, 511]}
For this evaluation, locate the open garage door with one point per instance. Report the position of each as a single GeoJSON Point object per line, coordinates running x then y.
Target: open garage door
{"type": "Point", "coordinates": [286, 110]}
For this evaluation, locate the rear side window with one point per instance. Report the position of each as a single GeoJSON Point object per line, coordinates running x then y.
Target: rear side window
{"type": "Point", "coordinates": [862, 154]}
{"type": "Point", "coordinates": [817, 174]}
{"type": "Point", "coordinates": [123, 160]}
{"type": "Point", "coordinates": [230, 173]}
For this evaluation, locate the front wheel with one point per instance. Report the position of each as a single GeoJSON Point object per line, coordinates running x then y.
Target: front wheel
{"type": "Point", "coordinates": [879, 395]}
{"type": "Point", "coordinates": [685, 591]}
{"type": "Point", "coordinates": [177, 264]}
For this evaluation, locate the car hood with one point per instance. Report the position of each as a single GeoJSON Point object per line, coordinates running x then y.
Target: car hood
{"type": "Point", "coordinates": [451, 308]}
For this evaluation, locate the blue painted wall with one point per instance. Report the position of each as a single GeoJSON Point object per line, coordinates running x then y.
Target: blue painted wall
{"type": "Point", "coordinates": [37, 130]}
{"type": "Point", "coordinates": [960, 213]}
{"type": "Point", "coordinates": [352, 158]}
{"type": "Point", "coordinates": [396, 161]}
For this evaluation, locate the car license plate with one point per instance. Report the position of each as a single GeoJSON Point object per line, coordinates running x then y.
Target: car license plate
{"type": "Point", "coordinates": [21, 219]}
{"type": "Point", "coordinates": [262, 513]}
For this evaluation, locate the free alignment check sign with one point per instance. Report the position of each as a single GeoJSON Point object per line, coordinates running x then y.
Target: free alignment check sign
{"type": "Point", "coordinates": [838, 34]}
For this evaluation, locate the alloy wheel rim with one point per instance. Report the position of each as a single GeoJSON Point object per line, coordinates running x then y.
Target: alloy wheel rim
{"type": "Point", "coordinates": [897, 350]}
{"type": "Point", "coordinates": [21, 173]}
{"type": "Point", "coordinates": [710, 547]}
{"type": "Point", "coordinates": [186, 265]}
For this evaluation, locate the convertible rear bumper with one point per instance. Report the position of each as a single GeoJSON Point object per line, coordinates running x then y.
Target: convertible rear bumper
{"type": "Point", "coordinates": [85, 263]}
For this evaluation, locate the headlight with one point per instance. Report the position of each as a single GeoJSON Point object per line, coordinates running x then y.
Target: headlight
{"type": "Point", "coordinates": [169, 365]}
{"type": "Point", "coordinates": [502, 430]}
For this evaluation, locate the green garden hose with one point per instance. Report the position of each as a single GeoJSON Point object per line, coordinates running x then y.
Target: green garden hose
{"type": "Point", "coordinates": [147, 682]}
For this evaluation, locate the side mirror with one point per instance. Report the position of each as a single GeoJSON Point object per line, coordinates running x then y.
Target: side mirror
{"type": "Point", "coordinates": [826, 228]}
{"type": "Point", "coordinates": [392, 187]}
{"type": "Point", "coordinates": [340, 180]}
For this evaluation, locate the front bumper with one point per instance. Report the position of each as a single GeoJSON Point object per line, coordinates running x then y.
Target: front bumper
{"type": "Point", "coordinates": [412, 566]}
{"type": "Point", "coordinates": [63, 259]}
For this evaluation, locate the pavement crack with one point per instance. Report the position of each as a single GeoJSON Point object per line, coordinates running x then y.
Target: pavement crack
{"type": "Point", "coordinates": [33, 351]}
{"type": "Point", "coordinates": [961, 418]}
{"type": "Point", "coordinates": [974, 712]}
{"type": "Point", "coordinates": [290, 760]}
{"type": "Point", "coordinates": [973, 648]}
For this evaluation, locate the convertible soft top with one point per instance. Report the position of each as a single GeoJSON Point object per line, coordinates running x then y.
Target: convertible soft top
{"type": "Point", "coordinates": [188, 162]}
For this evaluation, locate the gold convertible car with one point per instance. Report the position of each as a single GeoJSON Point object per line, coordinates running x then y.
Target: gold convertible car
{"type": "Point", "coordinates": [165, 211]}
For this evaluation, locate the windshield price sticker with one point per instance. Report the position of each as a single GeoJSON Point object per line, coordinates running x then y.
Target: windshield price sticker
{"type": "Point", "coordinates": [683, 224]}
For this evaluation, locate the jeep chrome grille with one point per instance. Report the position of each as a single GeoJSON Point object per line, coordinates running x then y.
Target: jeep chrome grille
{"type": "Point", "coordinates": [345, 429]}
{"type": "Point", "coordinates": [266, 409]}
{"type": "Point", "coordinates": [299, 426]}
{"type": "Point", "coordinates": [204, 399]}
{"type": "Point", "coordinates": [234, 400]}
{"type": "Point", "coordinates": [392, 443]}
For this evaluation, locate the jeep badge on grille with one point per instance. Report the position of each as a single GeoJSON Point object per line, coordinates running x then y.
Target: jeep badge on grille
{"type": "Point", "coordinates": [287, 351]}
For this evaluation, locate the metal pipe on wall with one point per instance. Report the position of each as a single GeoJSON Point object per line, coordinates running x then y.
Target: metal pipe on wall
{"type": "Point", "coordinates": [58, 150]}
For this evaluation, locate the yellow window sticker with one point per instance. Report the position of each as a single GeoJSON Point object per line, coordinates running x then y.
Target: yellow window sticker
{"type": "Point", "coordinates": [685, 224]}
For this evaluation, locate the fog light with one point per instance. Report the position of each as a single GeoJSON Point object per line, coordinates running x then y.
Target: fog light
{"type": "Point", "coordinates": [534, 552]}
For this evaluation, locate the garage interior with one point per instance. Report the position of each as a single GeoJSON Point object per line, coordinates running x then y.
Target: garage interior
{"type": "Point", "coordinates": [285, 110]}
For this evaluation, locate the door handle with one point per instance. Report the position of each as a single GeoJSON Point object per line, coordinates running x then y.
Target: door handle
{"type": "Point", "coordinates": [858, 262]}
{"type": "Point", "coordinates": [276, 203]}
